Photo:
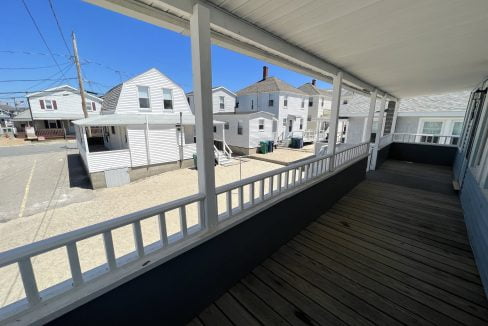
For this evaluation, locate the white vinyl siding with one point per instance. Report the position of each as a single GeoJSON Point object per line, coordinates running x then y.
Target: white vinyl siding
{"type": "Point", "coordinates": [163, 146]}
{"type": "Point", "coordinates": [137, 145]}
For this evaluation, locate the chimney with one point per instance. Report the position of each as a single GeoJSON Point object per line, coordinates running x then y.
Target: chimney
{"type": "Point", "coordinates": [265, 72]}
{"type": "Point", "coordinates": [314, 81]}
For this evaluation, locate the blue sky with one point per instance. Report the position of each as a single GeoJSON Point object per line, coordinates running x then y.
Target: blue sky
{"type": "Point", "coordinates": [108, 41]}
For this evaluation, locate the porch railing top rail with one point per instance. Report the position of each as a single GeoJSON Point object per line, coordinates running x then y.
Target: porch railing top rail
{"type": "Point", "coordinates": [447, 140]}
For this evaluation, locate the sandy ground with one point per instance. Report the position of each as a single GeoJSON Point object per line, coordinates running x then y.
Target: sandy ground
{"type": "Point", "coordinates": [7, 142]}
{"type": "Point", "coordinates": [284, 155]}
{"type": "Point", "coordinates": [106, 204]}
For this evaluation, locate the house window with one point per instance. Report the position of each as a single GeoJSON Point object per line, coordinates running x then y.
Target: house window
{"type": "Point", "coordinates": [143, 97]}
{"type": "Point", "coordinates": [431, 128]}
{"type": "Point", "coordinates": [226, 126]}
{"type": "Point", "coordinates": [310, 101]}
{"type": "Point", "coordinates": [90, 106]}
{"type": "Point", "coordinates": [303, 103]}
{"type": "Point", "coordinates": [270, 100]}
{"type": "Point", "coordinates": [284, 122]}
{"type": "Point", "coordinates": [239, 127]}
{"type": "Point", "coordinates": [323, 101]}
{"type": "Point", "coordinates": [285, 101]}
{"type": "Point", "coordinates": [113, 130]}
{"type": "Point", "coordinates": [237, 104]}
{"type": "Point", "coordinates": [309, 118]}
{"type": "Point", "coordinates": [301, 124]}
{"type": "Point", "coordinates": [48, 104]}
{"type": "Point", "coordinates": [168, 99]}
{"type": "Point", "coordinates": [215, 128]}
{"type": "Point", "coordinates": [261, 124]}
{"type": "Point", "coordinates": [221, 102]}
{"type": "Point", "coordinates": [252, 104]}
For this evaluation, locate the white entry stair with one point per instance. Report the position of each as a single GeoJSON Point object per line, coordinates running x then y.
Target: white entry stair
{"type": "Point", "coordinates": [224, 157]}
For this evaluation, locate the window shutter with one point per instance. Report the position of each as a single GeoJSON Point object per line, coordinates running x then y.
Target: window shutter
{"type": "Point", "coordinates": [41, 102]}
{"type": "Point", "coordinates": [93, 106]}
{"type": "Point", "coordinates": [55, 105]}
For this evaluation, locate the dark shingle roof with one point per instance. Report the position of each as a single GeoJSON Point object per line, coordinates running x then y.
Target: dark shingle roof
{"type": "Point", "coordinates": [111, 98]}
{"type": "Point", "coordinates": [268, 85]}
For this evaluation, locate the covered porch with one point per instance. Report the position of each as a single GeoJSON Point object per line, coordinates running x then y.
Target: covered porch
{"type": "Point", "coordinates": [319, 241]}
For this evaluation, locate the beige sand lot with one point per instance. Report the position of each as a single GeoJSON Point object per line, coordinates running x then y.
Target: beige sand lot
{"type": "Point", "coordinates": [284, 155]}
{"type": "Point", "coordinates": [52, 267]}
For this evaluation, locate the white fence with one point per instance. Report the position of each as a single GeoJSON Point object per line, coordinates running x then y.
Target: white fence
{"type": "Point", "coordinates": [425, 139]}
{"type": "Point", "coordinates": [259, 191]}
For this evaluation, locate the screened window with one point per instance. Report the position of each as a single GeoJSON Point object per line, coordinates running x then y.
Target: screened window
{"type": "Point", "coordinates": [221, 103]}
{"type": "Point", "coordinates": [239, 127]}
{"type": "Point", "coordinates": [261, 124]}
{"type": "Point", "coordinates": [168, 99]}
{"type": "Point", "coordinates": [48, 104]}
{"type": "Point", "coordinates": [143, 97]}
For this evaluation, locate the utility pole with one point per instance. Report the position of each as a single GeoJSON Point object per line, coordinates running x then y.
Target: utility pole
{"type": "Point", "coordinates": [80, 80]}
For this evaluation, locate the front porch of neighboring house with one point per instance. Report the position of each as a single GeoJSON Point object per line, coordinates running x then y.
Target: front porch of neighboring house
{"type": "Point", "coordinates": [122, 153]}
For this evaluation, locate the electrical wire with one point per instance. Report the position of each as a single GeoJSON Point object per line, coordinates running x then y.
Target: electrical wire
{"type": "Point", "coordinates": [42, 37]}
{"type": "Point", "coordinates": [28, 68]}
{"type": "Point", "coordinates": [59, 27]}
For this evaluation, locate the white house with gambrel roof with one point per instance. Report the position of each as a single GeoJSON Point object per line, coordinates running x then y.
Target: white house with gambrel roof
{"type": "Point", "coordinates": [147, 127]}
{"type": "Point", "coordinates": [223, 100]}
{"type": "Point", "coordinates": [54, 109]}
{"type": "Point", "coordinates": [288, 104]}
{"type": "Point", "coordinates": [319, 104]}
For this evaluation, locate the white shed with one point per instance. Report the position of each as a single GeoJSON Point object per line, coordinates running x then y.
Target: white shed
{"type": "Point", "coordinates": [244, 130]}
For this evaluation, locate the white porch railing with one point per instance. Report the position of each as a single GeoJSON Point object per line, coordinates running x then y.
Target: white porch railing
{"type": "Point", "coordinates": [262, 191]}
{"type": "Point", "coordinates": [425, 139]}
{"type": "Point", "coordinates": [385, 140]}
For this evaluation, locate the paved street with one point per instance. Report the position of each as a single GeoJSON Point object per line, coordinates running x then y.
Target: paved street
{"type": "Point", "coordinates": [37, 148]}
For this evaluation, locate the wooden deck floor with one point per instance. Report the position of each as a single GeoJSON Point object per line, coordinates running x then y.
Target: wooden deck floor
{"type": "Point", "coordinates": [388, 253]}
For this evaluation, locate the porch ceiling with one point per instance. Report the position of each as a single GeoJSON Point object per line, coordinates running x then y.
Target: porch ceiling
{"type": "Point", "coordinates": [405, 48]}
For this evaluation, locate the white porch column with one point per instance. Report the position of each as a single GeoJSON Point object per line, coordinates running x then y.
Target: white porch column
{"type": "Point", "coordinates": [334, 114]}
{"type": "Point", "coordinates": [395, 116]}
{"type": "Point", "coordinates": [379, 133]}
{"type": "Point", "coordinates": [369, 119]}
{"type": "Point", "coordinates": [202, 95]}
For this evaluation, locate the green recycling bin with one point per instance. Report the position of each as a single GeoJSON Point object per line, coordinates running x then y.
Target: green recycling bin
{"type": "Point", "coordinates": [263, 147]}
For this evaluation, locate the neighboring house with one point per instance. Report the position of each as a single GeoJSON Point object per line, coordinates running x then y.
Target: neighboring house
{"type": "Point", "coordinates": [319, 105]}
{"type": "Point", "coordinates": [287, 103]}
{"type": "Point", "coordinates": [147, 129]}
{"type": "Point", "coordinates": [54, 109]}
{"type": "Point", "coordinates": [223, 100]}
{"type": "Point", "coordinates": [437, 115]}
{"type": "Point", "coordinates": [243, 131]}
{"type": "Point", "coordinates": [6, 125]}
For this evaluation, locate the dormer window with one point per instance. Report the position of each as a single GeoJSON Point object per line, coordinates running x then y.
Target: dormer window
{"type": "Point", "coordinates": [143, 97]}
{"type": "Point", "coordinates": [168, 98]}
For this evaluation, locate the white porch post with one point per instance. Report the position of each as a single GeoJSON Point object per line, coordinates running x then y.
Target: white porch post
{"type": "Point", "coordinates": [395, 116]}
{"type": "Point", "coordinates": [202, 92]}
{"type": "Point", "coordinates": [379, 133]}
{"type": "Point", "coordinates": [369, 119]}
{"type": "Point", "coordinates": [334, 116]}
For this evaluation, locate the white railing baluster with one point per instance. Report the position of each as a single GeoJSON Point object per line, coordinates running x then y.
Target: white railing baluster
{"type": "Point", "coordinates": [278, 183]}
{"type": "Point", "coordinates": [137, 231]}
{"type": "Point", "coordinates": [74, 264]}
{"type": "Point", "coordinates": [183, 222]}
{"type": "Point", "coordinates": [251, 193]}
{"type": "Point", "coordinates": [201, 214]}
{"type": "Point", "coordinates": [241, 197]}
{"type": "Point", "coordinates": [109, 250]}
{"type": "Point", "coordinates": [287, 179]}
{"type": "Point", "coordinates": [293, 177]}
{"type": "Point", "coordinates": [29, 281]}
{"type": "Point", "coordinates": [271, 178]}
{"type": "Point", "coordinates": [163, 233]}
{"type": "Point", "coordinates": [229, 203]}
{"type": "Point", "coordinates": [261, 189]}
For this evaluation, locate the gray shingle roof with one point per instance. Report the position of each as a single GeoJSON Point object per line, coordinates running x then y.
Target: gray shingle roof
{"type": "Point", "coordinates": [310, 89]}
{"type": "Point", "coordinates": [270, 84]}
{"type": "Point", "coordinates": [449, 102]}
{"type": "Point", "coordinates": [111, 98]}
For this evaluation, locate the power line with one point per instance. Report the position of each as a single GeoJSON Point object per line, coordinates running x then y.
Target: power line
{"type": "Point", "coordinates": [31, 80]}
{"type": "Point", "coordinates": [42, 37]}
{"type": "Point", "coordinates": [59, 27]}
{"type": "Point", "coordinates": [27, 68]}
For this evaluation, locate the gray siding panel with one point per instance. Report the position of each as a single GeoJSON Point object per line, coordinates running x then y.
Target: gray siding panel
{"type": "Point", "coordinates": [475, 207]}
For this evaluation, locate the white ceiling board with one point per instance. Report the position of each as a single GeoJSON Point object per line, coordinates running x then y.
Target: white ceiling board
{"type": "Point", "coordinates": [403, 47]}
